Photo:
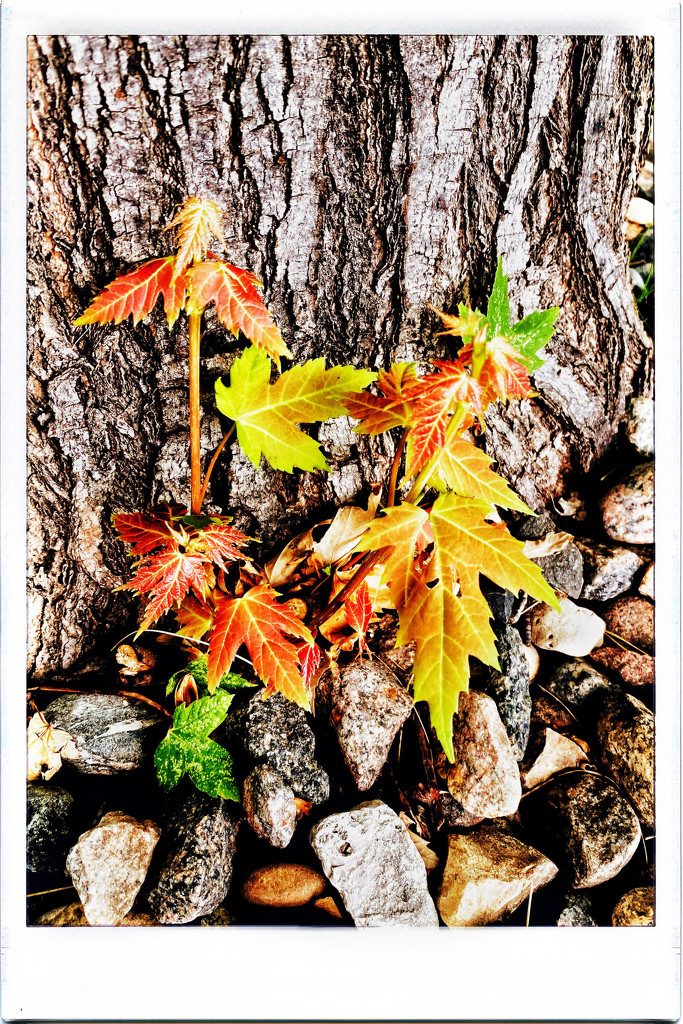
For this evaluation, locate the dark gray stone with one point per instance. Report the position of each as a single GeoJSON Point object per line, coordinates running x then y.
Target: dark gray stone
{"type": "Point", "coordinates": [270, 805]}
{"type": "Point", "coordinates": [276, 731]}
{"type": "Point", "coordinates": [501, 603]}
{"type": "Point", "coordinates": [366, 705]}
{"type": "Point", "coordinates": [582, 822]}
{"type": "Point", "coordinates": [628, 507]}
{"type": "Point", "coordinates": [577, 913]}
{"type": "Point", "coordinates": [625, 729]}
{"type": "Point", "coordinates": [575, 682]}
{"type": "Point", "coordinates": [195, 858]}
{"type": "Point", "coordinates": [51, 827]}
{"type": "Point", "coordinates": [111, 734]}
{"type": "Point", "coordinates": [509, 688]}
{"type": "Point", "coordinates": [563, 570]}
{"type": "Point", "coordinates": [608, 570]}
{"type": "Point", "coordinates": [534, 527]}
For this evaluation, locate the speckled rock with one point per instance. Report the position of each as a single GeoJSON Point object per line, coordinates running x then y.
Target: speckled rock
{"type": "Point", "coordinates": [557, 753]}
{"type": "Point", "coordinates": [534, 527]}
{"type": "Point", "coordinates": [366, 705]}
{"type": "Point", "coordinates": [195, 858]}
{"type": "Point", "coordinates": [270, 805]}
{"type": "Point", "coordinates": [484, 778]}
{"type": "Point", "coordinates": [111, 734]}
{"type": "Point", "coordinates": [647, 584]}
{"type": "Point", "coordinates": [576, 913]}
{"type": "Point", "coordinates": [488, 874]}
{"type": "Point", "coordinates": [635, 669]}
{"type": "Point", "coordinates": [608, 570]}
{"type": "Point", "coordinates": [635, 908]}
{"type": "Point", "coordinates": [563, 570]}
{"type": "Point", "coordinates": [109, 863]}
{"type": "Point", "coordinates": [373, 863]}
{"type": "Point", "coordinates": [640, 425]}
{"type": "Point", "coordinates": [509, 688]}
{"type": "Point", "coordinates": [572, 630]}
{"type": "Point", "coordinates": [578, 683]}
{"type": "Point", "coordinates": [51, 827]}
{"type": "Point", "coordinates": [275, 731]}
{"type": "Point", "coordinates": [628, 508]}
{"type": "Point", "coordinates": [632, 619]}
{"type": "Point", "coordinates": [625, 730]}
{"type": "Point", "coordinates": [283, 885]}
{"type": "Point", "coordinates": [455, 815]}
{"type": "Point", "coordinates": [584, 824]}
{"type": "Point", "coordinates": [73, 916]}
{"type": "Point", "coordinates": [218, 918]}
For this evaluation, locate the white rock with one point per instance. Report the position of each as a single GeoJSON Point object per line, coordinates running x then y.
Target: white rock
{"type": "Point", "coordinates": [641, 211]}
{"type": "Point", "coordinates": [647, 584]}
{"type": "Point", "coordinates": [533, 659]}
{"type": "Point", "coordinates": [558, 753]}
{"type": "Point", "coordinates": [640, 425]}
{"type": "Point", "coordinates": [646, 178]}
{"type": "Point", "coordinates": [572, 630]}
{"type": "Point", "coordinates": [371, 860]}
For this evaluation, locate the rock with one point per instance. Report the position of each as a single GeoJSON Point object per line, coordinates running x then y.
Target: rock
{"type": "Point", "coordinates": [371, 860]}
{"type": "Point", "coordinates": [509, 688]}
{"type": "Point", "coordinates": [401, 658]}
{"type": "Point", "coordinates": [608, 570]}
{"type": "Point", "coordinates": [283, 885]}
{"type": "Point", "coordinates": [108, 865]}
{"type": "Point", "coordinates": [488, 874]}
{"type": "Point", "coordinates": [632, 619]}
{"type": "Point", "coordinates": [327, 904]}
{"type": "Point", "coordinates": [628, 507]}
{"type": "Point", "coordinates": [366, 705]}
{"type": "Point", "coordinates": [563, 570]}
{"type": "Point", "coordinates": [485, 777]}
{"type": "Point", "coordinates": [635, 279]}
{"type": "Point", "coordinates": [51, 827]}
{"type": "Point", "coordinates": [534, 527]}
{"type": "Point", "coordinates": [557, 754]}
{"type": "Point", "coordinates": [572, 630]}
{"type": "Point", "coordinates": [501, 603]}
{"type": "Point", "coordinates": [111, 734]}
{"type": "Point", "coordinates": [641, 211]}
{"type": "Point", "coordinates": [196, 855]}
{"type": "Point", "coordinates": [647, 584]}
{"type": "Point", "coordinates": [454, 814]}
{"type": "Point", "coordinates": [584, 824]}
{"type": "Point", "coordinates": [636, 907]}
{"type": "Point", "coordinates": [625, 730]}
{"type": "Point", "coordinates": [218, 918]}
{"type": "Point", "coordinates": [547, 711]}
{"type": "Point", "coordinates": [578, 683]}
{"type": "Point", "coordinates": [646, 179]}
{"type": "Point", "coordinates": [73, 916]}
{"type": "Point", "coordinates": [533, 660]}
{"type": "Point", "coordinates": [275, 731]}
{"type": "Point", "coordinates": [270, 805]}
{"type": "Point", "coordinates": [635, 669]}
{"type": "Point", "coordinates": [576, 914]}
{"type": "Point", "coordinates": [640, 425]}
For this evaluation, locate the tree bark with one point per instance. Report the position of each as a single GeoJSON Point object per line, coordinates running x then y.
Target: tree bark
{"type": "Point", "coordinates": [362, 177]}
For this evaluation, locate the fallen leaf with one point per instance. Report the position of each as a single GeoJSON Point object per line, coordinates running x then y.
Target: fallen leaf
{"type": "Point", "coordinates": [284, 566]}
{"type": "Point", "coordinates": [423, 848]}
{"type": "Point", "coordinates": [46, 746]}
{"type": "Point", "coordinates": [348, 526]}
{"type": "Point", "coordinates": [551, 544]}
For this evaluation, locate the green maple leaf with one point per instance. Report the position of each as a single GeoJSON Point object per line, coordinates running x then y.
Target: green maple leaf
{"type": "Point", "coordinates": [187, 748]}
{"type": "Point", "coordinates": [498, 311]}
{"type": "Point", "coordinates": [198, 669]}
{"type": "Point", "coordinates": [267, 414]}
{"type": "Point", "coordinates": [532, 333]}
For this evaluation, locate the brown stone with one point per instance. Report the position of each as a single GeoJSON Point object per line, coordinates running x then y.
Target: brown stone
{"type": "Point", "coordinates": [635, 669]}
{"type": "Point", "coordinates": [558, 753]}
{"type": "Point", "coordinates": [283, 885]}
{"type": "Point", "coordinates": [636, 907]}
{"type": "Point", "coordinates": [73, 916]}
{"type": "Point", "coordinates": [625, 729]}
{"type": "Point", "coordinates": [628, 507]}
{"type": "Point", "coordinates": [632, 619]}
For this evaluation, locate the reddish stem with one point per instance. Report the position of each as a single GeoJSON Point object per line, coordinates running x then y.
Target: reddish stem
{"type": "Point", "coordinates": [209, 471]}
{"type": "Point", "coordinates": [195, 461]}
{"type": "Point", "coordinates": [365, 568]}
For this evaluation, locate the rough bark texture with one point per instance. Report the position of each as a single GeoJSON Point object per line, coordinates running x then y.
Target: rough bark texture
{"type": "Point", "coordinates": [362, 177]}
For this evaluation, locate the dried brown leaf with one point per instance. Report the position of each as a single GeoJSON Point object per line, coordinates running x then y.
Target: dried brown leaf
{"type": "Point", "coordinates": [46, 746]}
{"type": "Point", "coordinates": [423, 848]}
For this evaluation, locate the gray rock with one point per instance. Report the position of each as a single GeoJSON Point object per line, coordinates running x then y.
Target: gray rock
{"type": "Point", "coordinates": [484, 778]}
{"type": "Point", "coordinates": [371, 860]}
{"type": "Point", "coordinates": [502, 604]}
{"type": "Point", "coordinates": [628, 507]}
{"type": "Point", "coordinates": [572, 630]}
{"type": "Point", "coordinates": [635, 908]}
{"type": "Point", "coordinates": [563, 570]}
{"type": "Point", "coordinates": [577, 913]}
{"type": "Point", "coordinates": [632, 619]}
{"type": "Point", "coordinates": [578, 683]}
{"type": "Point", "coordinates": [108, 865]}
{"type": "Point", "coordinates": [584, 824]}
{"type": "Point", "coordinates": [640, 425]}
{"type": "Point", "coordinates": [196, 855]}
{"type": "Point", "coordinates": [625, 730]}
{"type": "Point", "coordinates": [366, 705]}
{"type": "Point", "coordinates": [275, 731]}
{"type": "Point", "coordinates": [488, 874]}
{"type": "Point", "coordinates": [608, 570]}
{"type": "Point", "coordinates": [51, 827]}
{"type": "Point", "coordinates": [534, 527]}
{"type": "Point", "coordinates": [270, 805]}
{"type": "Point", "coordinates": [454, 814]}
{"type": "Point", "coordinates": [111, 734]}
{"type": "Point", "coordinates": [509, 688]}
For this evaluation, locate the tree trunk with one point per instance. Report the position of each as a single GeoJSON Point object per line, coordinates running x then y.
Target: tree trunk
{"type": "Point", "coordinates": [362, 177]}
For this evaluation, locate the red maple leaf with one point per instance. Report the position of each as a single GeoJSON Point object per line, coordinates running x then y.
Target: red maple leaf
{"type": "Point", "coordinates": [167, 577]}
{"type": "Point", "coordinates": [432, 400]}
{"type": "Point", "coordinates": [135, 294]}
{"type": "Point", "coordinates": [503, 375]}
{"type": "Point", "coordinates": [146, 531]}
{"type": "Point", "coordinates": [309, 659]}
{"type": "Point", "coordinates": [219, 541]}
{"type": "Point", "coordinates": [390, 408]}
{"type": "Point", "coordinates": [358, 610]}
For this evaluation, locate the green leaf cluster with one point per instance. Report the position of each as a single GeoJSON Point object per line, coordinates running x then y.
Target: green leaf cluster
{"type": "Point", "coordinates": [529, 334]}
{"type": "Point", "coordinates": [198, 669]}
{"type": "Point", "coordinates": [187, 748]}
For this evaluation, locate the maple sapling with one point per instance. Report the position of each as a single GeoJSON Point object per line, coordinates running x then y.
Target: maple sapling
{"type": "Point", "coordinates": [421, 556]}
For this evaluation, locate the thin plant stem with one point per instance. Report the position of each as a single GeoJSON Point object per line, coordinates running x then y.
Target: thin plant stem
{"type": "Point", "coordinates": [195, 462]}
{"type": "Point", "coordinates": [209, 471]}
{"type": "Point", "coordinates": [46, 892]}
{"type": "Point", "coordinates": [391, 497]}
{"type": "Point", "coordinates": [364, 569]}
{"type": "Point", "coordinates": [138, 696]}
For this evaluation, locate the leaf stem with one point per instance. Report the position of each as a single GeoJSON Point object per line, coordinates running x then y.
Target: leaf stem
{"type": "Point", "coordinates": [195, 463]}
{"type": "Point", "coordinates": [364, 569]}
{"type": "Point", "coordinates": [395, 467]}
{"type": "Point", "coordinates": [221, 446]}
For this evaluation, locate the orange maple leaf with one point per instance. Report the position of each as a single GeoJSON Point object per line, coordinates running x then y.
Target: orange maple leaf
{"type": "Point", "coordinates": [358, 609]}
{"type": "Point", "coordinates": [433, 398]}
{"type": "Point", "coordinates": [135, 294]}
{"type": "Point", "coordinates": [147, 531]}
{"type": "Point", "coordinates": [195, 617]}
{"type": "Point", "coordinates": [391, 407]}
{"type": "Point", "coordinates": [167, 577]}
{"type": "Point", "coordinates": [219, 541]}
{"type": "Point", "coordinates": [263, 625]}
